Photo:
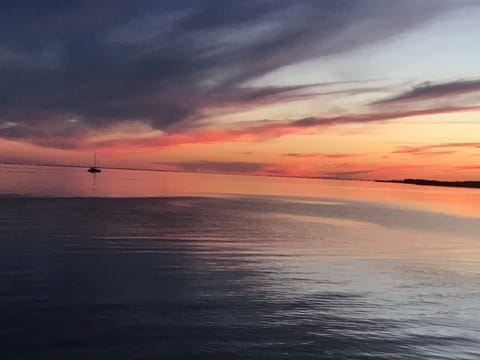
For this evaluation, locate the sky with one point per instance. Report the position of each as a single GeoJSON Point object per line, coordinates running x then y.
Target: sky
{"type": "Point", "coordinates": [358, 89]}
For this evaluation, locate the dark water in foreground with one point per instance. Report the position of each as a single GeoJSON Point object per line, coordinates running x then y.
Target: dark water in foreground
{"type": "Point", "coordinates": [238, 276]}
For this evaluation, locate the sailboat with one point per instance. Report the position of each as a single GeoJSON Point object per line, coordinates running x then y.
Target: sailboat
{"type": "Point", "coordinates": [94, 168]}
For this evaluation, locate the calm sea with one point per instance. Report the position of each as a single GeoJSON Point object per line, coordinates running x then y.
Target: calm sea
{"type": "Point", "coordinates": [150, 265]}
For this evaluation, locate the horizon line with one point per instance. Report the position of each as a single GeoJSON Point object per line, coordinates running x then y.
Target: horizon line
{"type": "Point", "coordinates": [183, 171]}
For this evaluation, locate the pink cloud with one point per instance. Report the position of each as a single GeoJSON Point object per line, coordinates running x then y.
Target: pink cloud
{"type": "Point", "coordinates": [269, 129]}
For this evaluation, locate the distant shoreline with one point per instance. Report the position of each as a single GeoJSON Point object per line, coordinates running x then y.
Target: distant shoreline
{"type": "Point", "coordinates": [424, 182]}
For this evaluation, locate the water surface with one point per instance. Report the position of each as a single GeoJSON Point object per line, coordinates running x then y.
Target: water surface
{"type": "Point", "coordinates": [142, 265]}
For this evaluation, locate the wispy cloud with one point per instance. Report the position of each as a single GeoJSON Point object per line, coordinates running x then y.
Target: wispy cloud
{"type": "Point", "coordinates": [354, 171]}
{"type": "Point", "coordinates": [435, 149]}
{"type": "Point", "coordinates": [467, 167]}
{"type": "Point", "coordinates": [429, 91]}
{"type": "Point", "coordinates": [379, 116]}
{"type": "Point", "coordinates": [233, 167]}
{"type": "Point", "coordinates": [418, 151]}
{"type": "Point", "coordinates": [318, 155]}
{"type": "Point", "coordinates": [163, 63]}
{"type": "Point", "coordinates": [68, 134]}
{"type": "Point", "coordinates": [262, 130]}
{"type": "Point", "coordinates": [347, 174]}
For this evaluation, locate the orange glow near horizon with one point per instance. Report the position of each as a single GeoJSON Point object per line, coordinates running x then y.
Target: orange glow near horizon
{"type": "Point", "coordinates": [385, 150]}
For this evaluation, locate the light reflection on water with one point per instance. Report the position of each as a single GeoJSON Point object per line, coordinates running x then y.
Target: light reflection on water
{"type": "Point", "coordinates": [237, 276]}
{"type": "Point", "coordinates": [53, 181]}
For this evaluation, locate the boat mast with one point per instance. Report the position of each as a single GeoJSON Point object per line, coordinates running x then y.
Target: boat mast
{"type": "Point", "coordinates": [95, 159]}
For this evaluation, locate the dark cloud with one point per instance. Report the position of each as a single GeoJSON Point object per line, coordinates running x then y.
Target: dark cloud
{"type": "Point", "coordinates": [106, 62]}
{"type": "Point", "coordinates": [435, 149]}
{"type": "Point", "coordinates": [319, 155]}
{"type": "Point", "coordinates": [429, 91]}
{"type": "Point", "coordinates": [220, 167]}
{"type": "Point", "coordinates": [432, 152]}
{"type": "Point", "coordinates": [347, 174]}
{"type": "Point", "coordinates": [378, 116]}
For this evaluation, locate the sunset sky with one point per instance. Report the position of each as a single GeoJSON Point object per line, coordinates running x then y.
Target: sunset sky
{"type": "Point", "coordinates": [367, 89]}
